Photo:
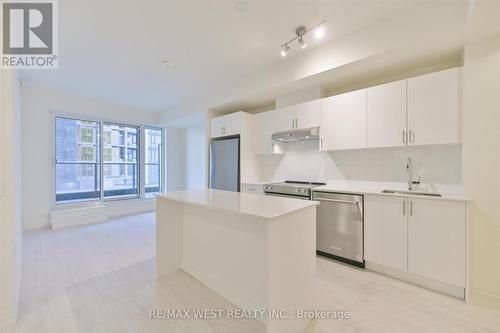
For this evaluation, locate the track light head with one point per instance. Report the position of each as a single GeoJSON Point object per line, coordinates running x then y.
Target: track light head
{"type": "Point", "coordinates": [301, 31]}
{"type": "Point", "coordinates": [302, 42]}
{"type": "Point", "coordinates": [284, 50]}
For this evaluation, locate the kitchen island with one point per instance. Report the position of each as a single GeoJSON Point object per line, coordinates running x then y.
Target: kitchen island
{"type": "Point", "coordinates": [256, 251]}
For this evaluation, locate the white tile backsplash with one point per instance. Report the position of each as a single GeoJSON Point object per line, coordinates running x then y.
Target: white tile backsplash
{"type": "Point", "coordinates": [434, 164]}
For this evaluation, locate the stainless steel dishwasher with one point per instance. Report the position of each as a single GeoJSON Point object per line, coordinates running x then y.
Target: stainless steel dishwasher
{"type": "Point", "coordinates": [339, 227]}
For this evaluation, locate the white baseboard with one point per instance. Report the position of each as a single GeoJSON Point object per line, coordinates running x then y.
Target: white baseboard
{"type": "Point", "coordinates": [74, 216]}
{"type": "Point", "coordinates": [421, 281]}
{"type": "Point", "coordinates": [7, 318]}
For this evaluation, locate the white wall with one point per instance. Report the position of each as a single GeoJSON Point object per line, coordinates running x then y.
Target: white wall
{"type": "Point", "coordinates": [481, 132]}
{"type": "Point", "coordinates": [186, 154]}
{"type": "Point", "coordinates": [195, 157]}
{"type": "Point", "coordinates": [437, 165]}
{"type": "Point", "coordinates": [37, 137]}
{"type": "Point", "coordinates": [176, 159]}
{"type": "Point", "coordinates": [10, 196]}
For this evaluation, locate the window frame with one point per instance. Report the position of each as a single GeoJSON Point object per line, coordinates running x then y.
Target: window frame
{"type": "Point", "coordinates": [141, 165]}
{"type": "Point", "coordinates": [161, 160]}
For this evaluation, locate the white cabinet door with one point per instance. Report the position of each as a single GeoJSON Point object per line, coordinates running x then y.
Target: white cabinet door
{"type": "Point", "coordinates": [226, 125]}
{"type": "Point", "coordinates": [433, 108]}
{"type": "Point", "coordinates": [343, 121]}
{"type": "Point", "coordinates": [232, 124]}
{"type": "Point", "coordinates": [307, 115]}
{"type": "Point", "coordinates": [262, 130]}
{"type": "Point", "coordinates": [385, 231]}
{"type": "Point", "coordinates": [386, 115]}
{"type": "Point", "coordinates": [216, 127]}
{"type": "Point", "coordinates": [284, 119]}
{"type": "Point", "coordinates": [436, 240]}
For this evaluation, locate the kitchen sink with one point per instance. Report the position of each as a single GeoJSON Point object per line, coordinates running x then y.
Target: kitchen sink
{"type": "Point", "coordinates": [428, 194]}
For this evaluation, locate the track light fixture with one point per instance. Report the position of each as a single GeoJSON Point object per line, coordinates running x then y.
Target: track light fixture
{"type": "Point", "coordinates": [300, 32]}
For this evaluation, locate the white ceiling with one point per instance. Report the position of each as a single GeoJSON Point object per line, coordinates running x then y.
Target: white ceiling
{"type": "Point", "coordinates": [106, 47]}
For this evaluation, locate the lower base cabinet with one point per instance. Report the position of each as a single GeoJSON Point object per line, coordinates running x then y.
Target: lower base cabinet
{"type": "Point", "coordinates": [426, 237]}
{"type": "Point", "coordinates": [436, 240]}
{"type": "Point", "coordinates": [386, 231]}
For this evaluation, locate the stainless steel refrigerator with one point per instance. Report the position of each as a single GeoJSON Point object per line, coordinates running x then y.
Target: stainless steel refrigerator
{"type": "Point", "coordinates": [225, 164]}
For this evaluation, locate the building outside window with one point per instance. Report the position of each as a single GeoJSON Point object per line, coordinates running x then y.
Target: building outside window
{"type": "Point", "coordinates": [78, 165]}
{"type": "Point", "coordinates": [87, 135]}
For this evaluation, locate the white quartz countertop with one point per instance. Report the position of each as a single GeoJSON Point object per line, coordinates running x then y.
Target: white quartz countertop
{"type": "Point", "coordinates": [245, 203]}
{"type": "Point", "coordinates": [450, 193]}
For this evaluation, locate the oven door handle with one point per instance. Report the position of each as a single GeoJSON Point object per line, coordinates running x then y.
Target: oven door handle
{"type": "Point", "coordinates": [347, 202]}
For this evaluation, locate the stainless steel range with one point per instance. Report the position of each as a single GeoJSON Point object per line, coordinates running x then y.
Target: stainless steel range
{"type": "Point", "coordinates": [292, 189]}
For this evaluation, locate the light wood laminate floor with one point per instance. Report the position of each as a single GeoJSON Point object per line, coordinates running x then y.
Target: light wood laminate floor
{"type": "Point", "coordinates": [100, 278]}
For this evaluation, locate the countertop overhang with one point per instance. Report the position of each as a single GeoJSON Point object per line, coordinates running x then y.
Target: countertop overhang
{"type": "Point", "coordinates": [268, 207]}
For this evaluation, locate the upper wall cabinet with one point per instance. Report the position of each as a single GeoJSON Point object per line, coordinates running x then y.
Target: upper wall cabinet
{"type": "Point", "coordinates": [225, 125]}
{"type": "Point", "coordinates": [386, 115]}
{"type": "Point", "coordinates": [433, 108]}
{"type": "Point", "coordinates": [343, 121]}
{"type": "Point", "coordinates": [298, 116]}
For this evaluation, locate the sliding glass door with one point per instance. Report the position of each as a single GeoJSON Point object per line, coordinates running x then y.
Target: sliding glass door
{"type": "Point", "coordinates": [120, 161]}
{"type": "Point", "coordinates": [77, 160]}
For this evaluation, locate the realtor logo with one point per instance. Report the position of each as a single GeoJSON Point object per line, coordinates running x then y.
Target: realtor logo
{"type": "Point", "coordinates": [29, 34]}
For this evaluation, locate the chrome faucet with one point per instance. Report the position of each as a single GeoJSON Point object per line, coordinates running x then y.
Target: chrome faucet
{"type": "Point", "coordinates": [409, 169]}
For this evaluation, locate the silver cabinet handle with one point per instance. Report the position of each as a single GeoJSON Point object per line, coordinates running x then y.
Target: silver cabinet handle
{"type": "Point", "coordinates": [404, 136]}
{"type": "Point", "coordinates": [410, 136]}
{"type": "Point", "coordinates": [348, 202]}
{"type": "Point", "coordinates": [411, 208]}
{"type": "Point", "coordinates": [404, 207]}
{"type": "Point", "coordinates": [296, 122]}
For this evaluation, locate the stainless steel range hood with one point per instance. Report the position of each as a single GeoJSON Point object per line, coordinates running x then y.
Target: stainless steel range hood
{"type": "Point", "coordinates": [296, 135]}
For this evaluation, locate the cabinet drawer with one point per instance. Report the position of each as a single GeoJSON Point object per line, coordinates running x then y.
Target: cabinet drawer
{"type": "Point", "coordinates": [252, 188]}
